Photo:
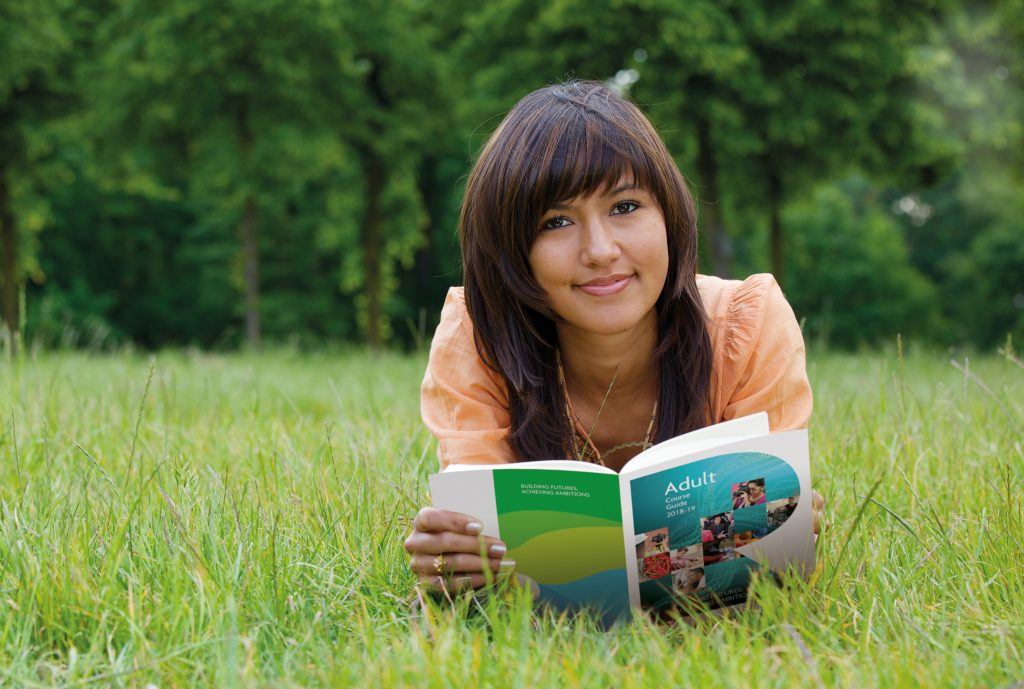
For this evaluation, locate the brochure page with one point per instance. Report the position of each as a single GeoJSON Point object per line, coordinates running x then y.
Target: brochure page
{"type": "Point", "coordinates": [564, 530]}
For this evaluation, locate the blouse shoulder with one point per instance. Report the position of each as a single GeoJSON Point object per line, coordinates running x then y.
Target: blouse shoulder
{"type": "Point", "coordinates": [463, 402]}
{"type": "Point", "coordinates": [747, 313]}
{"type": "Point", "coordinates": [454, 327]}
{"type": "Point", "coordinates": [759, 347]}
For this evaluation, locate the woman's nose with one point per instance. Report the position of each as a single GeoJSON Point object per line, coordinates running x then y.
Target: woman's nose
{"type": "Point", "coordinates": [599, 243]}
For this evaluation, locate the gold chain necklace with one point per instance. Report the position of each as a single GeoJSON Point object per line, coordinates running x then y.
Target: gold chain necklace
{"type": "Point", "coordinates": [574, 435]}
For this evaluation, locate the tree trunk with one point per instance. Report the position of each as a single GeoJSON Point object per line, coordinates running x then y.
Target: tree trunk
{"type": "Point", "coordinates": [775, 228]}
{"type": "Point", "coordinates": [375, 172]}
{"type": "Point", "coordinates": [423, 267]}
{"type": "Point", "coordinates": [9, 251]}
{"type": "Point", "coordinates": [373, 168]}
{"type": "Point", "coordinates": [248, 234]}
{"type": "Point", "coordinates": [432, 200]}
{"type": "Point", "coordinates": [719, 247]}
{"type": "Point", "coordinates": [251, 271]}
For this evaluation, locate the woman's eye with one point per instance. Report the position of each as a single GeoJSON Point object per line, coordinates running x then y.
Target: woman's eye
{"type": "Point", "coordinates": [548, 226]}
{"type": "Point", "coordinates": [620, 204]}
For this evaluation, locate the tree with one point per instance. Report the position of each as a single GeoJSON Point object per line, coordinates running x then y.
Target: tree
{"type": "Point", "coordinates": [36, 42]}
{"type": "Point", "coordinates": [970, 85]}
{"type": "Point", "coordinates": [236, 102]}
{"type": "Point", "coordinates": [402, 121]}
{"type": "Point", "coordinates": [789, 94]}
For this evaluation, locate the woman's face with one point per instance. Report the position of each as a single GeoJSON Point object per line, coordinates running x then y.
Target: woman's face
{"type": "Point", "coordinates": [620, 232]}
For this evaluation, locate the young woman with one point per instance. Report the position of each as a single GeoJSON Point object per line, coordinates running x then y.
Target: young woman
{"type": "Point", "coordinates": [582, 329]}
{"type": "Point", "coordinates": [756, 492]}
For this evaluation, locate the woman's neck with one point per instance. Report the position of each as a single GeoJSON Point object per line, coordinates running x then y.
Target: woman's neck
{"type": "Point", "coordinates": [590, 360]}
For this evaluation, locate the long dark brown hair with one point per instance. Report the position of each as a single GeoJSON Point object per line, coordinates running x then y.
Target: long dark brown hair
{"type": "Point", "coordinates": [561, 142]}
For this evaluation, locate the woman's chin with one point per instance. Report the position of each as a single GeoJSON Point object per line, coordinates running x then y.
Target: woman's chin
{"type": "Point", "coordinates": [612, 324]}
{"type": "Point", "coordinates": [605, 318]}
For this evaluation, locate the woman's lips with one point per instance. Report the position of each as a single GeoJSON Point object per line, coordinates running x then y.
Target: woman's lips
{"type": "Point", "coordinates": [603, 290]}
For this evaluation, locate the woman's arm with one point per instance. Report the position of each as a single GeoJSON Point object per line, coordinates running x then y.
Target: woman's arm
{"type": "Point", "coordinates": [464, 405]}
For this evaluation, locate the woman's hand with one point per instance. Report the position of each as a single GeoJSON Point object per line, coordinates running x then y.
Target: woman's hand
{"type": "Point", "coordinates": [818, 504]}
{"type": "Point", "coordinates": [455, 537]}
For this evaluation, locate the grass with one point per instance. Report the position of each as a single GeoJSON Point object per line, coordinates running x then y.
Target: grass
{"type": "Point", "coordinates": [237, 521]}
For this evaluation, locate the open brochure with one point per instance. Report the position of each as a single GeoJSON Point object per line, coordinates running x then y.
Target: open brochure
{"type": "Point", "coordinates": [691, 517]}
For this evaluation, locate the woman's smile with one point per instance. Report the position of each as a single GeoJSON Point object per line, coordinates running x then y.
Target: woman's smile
{"type": "Point", "coordinates": [601, 288]}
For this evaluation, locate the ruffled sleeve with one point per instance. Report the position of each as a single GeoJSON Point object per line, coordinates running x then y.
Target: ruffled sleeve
{"type": "Point", "coordinates": [462, 401]}
{"type": "Point", "coordinates": [765, 366]}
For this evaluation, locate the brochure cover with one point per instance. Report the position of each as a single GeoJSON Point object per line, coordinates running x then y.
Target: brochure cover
{"type": "Point", "coordinates": [700, 529]}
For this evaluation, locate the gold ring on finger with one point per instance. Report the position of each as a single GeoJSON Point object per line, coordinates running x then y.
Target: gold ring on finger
{"type": "Point", "coordinates": [439, 564]}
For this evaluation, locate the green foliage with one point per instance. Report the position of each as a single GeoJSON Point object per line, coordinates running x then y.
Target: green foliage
{"type": "Point", "coordinates": [990, 282]}
{"type": "Point", "coordinates": [141, 250]}
{"type": "Point", "coordinates": [137, 137]}
{"type": "Point", "coordinates": [850, 273]}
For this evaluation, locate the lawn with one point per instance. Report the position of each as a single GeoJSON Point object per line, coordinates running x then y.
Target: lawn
{"type": "Point", "coordinates": [237, 520]}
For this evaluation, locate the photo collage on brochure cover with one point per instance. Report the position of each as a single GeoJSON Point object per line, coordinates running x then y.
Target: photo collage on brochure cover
{"type": "Point", "coordinates": [751, 518]}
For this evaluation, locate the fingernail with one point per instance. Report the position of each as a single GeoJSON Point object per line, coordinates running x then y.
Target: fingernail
{"type": "Point", "coordinates": [474, 527]}
{"type": "Point", "coordinates": [497, 550]}
{"type": "Point", "coordinates": [507, 564]}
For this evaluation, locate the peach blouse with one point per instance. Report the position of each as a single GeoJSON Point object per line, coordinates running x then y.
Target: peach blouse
{"type": "Point", "coordinates": [758, 358]}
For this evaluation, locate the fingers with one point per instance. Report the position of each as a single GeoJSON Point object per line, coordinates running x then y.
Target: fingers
{"type": "Point", "coordinates": [430, 543]}
{"type": "Point", "coordinates": [463, 582]}
{"type": "Point", "coordinates": [461, 563]}
{"type": "Point", "coordinates": [452, 584]}
{"type": "Point", "coordinates": [432, 519]}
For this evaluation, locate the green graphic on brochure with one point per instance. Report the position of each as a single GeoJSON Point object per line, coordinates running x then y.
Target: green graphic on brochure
{"type": "Point", "coordinates": [564, 530]}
